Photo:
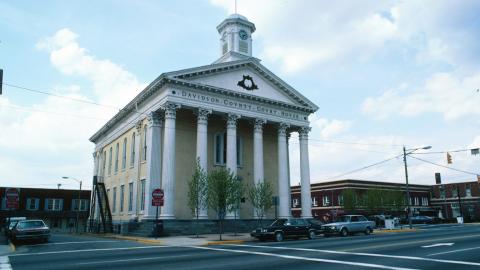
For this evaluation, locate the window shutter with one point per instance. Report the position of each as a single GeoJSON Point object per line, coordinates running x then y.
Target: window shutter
{"type": "Point", "coordinates": [61, 205]}
{"type": "Point", "coordinates": [37, 202]}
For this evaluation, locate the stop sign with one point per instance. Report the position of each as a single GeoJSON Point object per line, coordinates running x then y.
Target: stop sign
{"type": "Point", "coordinates": [11, 196]}
{"type": "Point", "coordinates": [157, 197]}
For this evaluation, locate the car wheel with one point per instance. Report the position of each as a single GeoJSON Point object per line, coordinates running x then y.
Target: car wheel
{"type": "Point", "coordinates": [279, 237]}
{"type": "Point", "coordinates": [343, 232]}
{"type": "Point", "coordinates": [311, 235]}
{"type": "Point", "coordinates": [368, 231]}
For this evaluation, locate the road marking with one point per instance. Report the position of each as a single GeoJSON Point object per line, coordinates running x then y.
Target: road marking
{"type": "Point", "coordinates": [366, 254]}
{"type": "Point", "coordinates": [68, 243]}
{"type": "Point", "coordinates": [131, 260]}
{"type": "Point", "coordinates": [416, 242]}
{"type": "Point", "coordinates": [370, 265]}
{"type": "Point", "coordinates": [85, 250]}
{"type": "Point", "coordinates": [439, 245]}
{"type": "Point", "coordinates": [453, 251]}
{"type": "Point", "coordinates": [5, 263]}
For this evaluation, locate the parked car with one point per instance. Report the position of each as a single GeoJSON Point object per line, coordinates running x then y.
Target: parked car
{"type": "Point", "coordinates": [285, 228]}
{"type": "Point", "coordinates": [30, 229]}
{"type": "Point", "coordinates": [349, 224]}
{"type": "Point", "coordinates": [316, 225]}
{"type": "Point", "coordinates": [10, 223]}
{"type": "Point", "coordinates": [422, 220]}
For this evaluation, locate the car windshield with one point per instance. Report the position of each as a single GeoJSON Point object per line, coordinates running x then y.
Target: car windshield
{"type": "Point", "coordinates": [343, 219]}
{"type": "Point", "coordinates": [30, 224]}
{"type": "Point", "coordinates": [278, 222]}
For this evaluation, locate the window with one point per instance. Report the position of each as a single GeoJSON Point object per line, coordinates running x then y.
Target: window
{"type": "Point", "coordinates": [354, 219]}
{"type": "Point", "coordinates": [243, 46]}
{"type": "Point", "coordinates": [104, 166]}
{"type": "Point", "coordinates": [122, 197]}
{"type": "Point", "coordinates": [416, 201]}
{"type": "Point", "coordinates": [32, 204]}
{"type": "Point", "coordinates": [424, 201]}
{"type": "Point", "coordinates": [116, 157]}
{"type": "Point", "coordinates": [114, 201]}
{"type": "Point", "coordinates": [220, 151]}
{"type": "Point", "coordinates": [340, 199]}
{"type": "Point", "coordinates": [454, 192]}
{"type": "Point", "coordinates": [54, 204]}
{"type": "Point", "coordinates": [83, 205]}
{"type": "Point", "coordinates": [468, 190]}
{"type": "Point", "coordinates": [132, 151]}
{"type": "Point", "coordinates": [110, 161]}
{"type": "Point", "coordinates": [145, 143]}
{"type": "Point", "coordinates": [124, 154]}
{"type": "Point", "coordinates": [130, 197]}
{"type": "Point", "coordinates": [314, 201]}
{"type": "Point", "coordinates": [442, 192]}
{"type": "Point", "coordinates": [225, 47]}
{"type": "Point", "coordinates": [326, 201]}
{"type": "Point", "coordinates": [142, 195]}
{"type": "Point", "coordinates": [295, 203]}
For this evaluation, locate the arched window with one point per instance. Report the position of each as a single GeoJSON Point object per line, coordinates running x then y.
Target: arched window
{"type": "Point", "coordinates": [104, 165]}
{"type": "Point", "coordinates": [145, 142]}
{"type": "Point", "coordinates": [220, 149]}
{"type": "Point", "coordinates": [124, 154]}
{"type": "Point", "coordinates": [110, 161]}
{"type": "Point", "coordinates": [116, 157]}
{"type": "Point", "coordinates": [132, 151]}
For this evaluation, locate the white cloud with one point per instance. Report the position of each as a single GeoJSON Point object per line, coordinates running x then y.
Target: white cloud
{"type": "Point", "coordinates": [450, 94]}
{"type": "Point", "coordinates": [329, 128]}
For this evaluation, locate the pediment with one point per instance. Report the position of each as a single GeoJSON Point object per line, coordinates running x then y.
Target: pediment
{"type": "Point", "coordinates": [246, 77]}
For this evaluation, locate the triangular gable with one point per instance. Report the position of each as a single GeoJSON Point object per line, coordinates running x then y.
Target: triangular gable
{"type": "Point", "coordinates": [245, 76]}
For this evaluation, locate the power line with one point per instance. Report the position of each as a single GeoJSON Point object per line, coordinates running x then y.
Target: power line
{"type": "Point", "coordinates": [454, 169]}
{"type": "Point", "coordinates": [60, 96]}
{"type": "Point", "coordinates": [444, 152]}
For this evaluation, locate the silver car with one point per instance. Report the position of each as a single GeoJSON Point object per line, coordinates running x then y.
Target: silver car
{"type": "Point", "coordinates": [349, 224]}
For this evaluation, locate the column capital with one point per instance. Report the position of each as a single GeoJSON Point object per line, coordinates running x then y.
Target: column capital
{"type": "Point", "coordinates": [282, 129]}
{"type": "Point", "coordinates": [202, 115]}
{"type": "Point", "coordinates": [303, 132]}
{"type": "Point", "coordinates": [154, 119]}
{"type": "Point", "coordinates": [138, 126]}
{"type": "Point", "coordinates": [170, 109]}
{"type": "Point", "coordinates": [258, 124]}
{"type": "Point", "coordinates": [232, 120]}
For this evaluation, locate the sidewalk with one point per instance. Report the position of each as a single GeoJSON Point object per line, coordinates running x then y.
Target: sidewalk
{"type": "Point", "coordinates": [190, 240]}
{"type": "Point", "coordinates": [5, 248]}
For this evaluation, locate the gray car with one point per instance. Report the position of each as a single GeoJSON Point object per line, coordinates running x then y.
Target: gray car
{"type": "Point", "coordinates": [349, 224]}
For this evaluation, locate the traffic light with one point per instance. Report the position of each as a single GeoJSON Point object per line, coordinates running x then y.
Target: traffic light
{"type": "Point", "coordinates": [449, 158]}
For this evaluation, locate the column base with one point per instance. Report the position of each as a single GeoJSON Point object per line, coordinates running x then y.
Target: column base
{"type": "Point", "coordinates": [203, 217]}
{"type": "Point", "coordinates": [165, 216]}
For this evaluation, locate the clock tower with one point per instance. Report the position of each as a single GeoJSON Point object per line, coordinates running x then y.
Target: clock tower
{"type": "Point", "coordinates": [235, 38]}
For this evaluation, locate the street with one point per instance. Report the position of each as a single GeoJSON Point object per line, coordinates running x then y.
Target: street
{"type": "Point", "coordinates": [432, 247]}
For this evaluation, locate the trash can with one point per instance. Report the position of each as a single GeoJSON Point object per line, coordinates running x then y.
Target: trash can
{"type": "Point", "coordinates": [460, 220]}
{"type": "Point", "coordinates": [157, 229]}
{"type": "Point", "coordinates": [389, 224]}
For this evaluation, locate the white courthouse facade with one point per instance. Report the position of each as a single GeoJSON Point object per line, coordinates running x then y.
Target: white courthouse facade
{"type": "Point", "coordinates": [233, 113]}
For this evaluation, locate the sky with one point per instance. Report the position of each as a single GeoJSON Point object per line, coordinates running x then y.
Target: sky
{"type": "Point", "coordinates": [384, 74]}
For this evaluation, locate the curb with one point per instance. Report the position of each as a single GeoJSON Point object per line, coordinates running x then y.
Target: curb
{"type": "Point", "coordinates": [224, 242]}
{"type": "Point", "coordinates": [12, 247]}
{"type": "Point", "coordinates": [136, 239]}
{"type": "Point", "coordinates": [395, 231]}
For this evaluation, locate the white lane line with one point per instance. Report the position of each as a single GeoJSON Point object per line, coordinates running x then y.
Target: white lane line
{"type": "Point", "coordinates": [453, 251]}
{"type": "Point", "coordinates": [85, 250]}
{"type": "Point", "coordinates": [68, 243]}
{"type": "Point", "coordinates": [363, 254]}
{"type": "Point", "coordinates": [134, 260]}
{"type": "Point", "coordinates": [369, 265]}
{"type": "Point", "coordinates": [5, 263]}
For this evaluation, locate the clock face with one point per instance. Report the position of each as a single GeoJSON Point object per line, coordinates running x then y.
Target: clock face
{"type": "Point", "coordinates": [243, 35]}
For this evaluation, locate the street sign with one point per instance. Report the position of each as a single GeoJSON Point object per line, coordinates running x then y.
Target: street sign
{"type": "Point", "coordinates": [11, 196]}
{"type": "Point", "coordinates": [157, 197]}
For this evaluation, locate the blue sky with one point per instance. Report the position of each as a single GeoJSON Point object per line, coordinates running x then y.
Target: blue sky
{"type": "Point", "coordinates": [384, 74]}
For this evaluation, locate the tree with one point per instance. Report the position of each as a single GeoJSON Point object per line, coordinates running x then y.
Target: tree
{"type": "Point", "coordinates": [349, 199]}
{"type": "Point", "coordinates": [260, 195]}
{"type": "Point", "coordinates": [374, 199]}
{"type": "Point", "coordinates": [237, 190]}
{"type": "Point", "coordinates": [219, 193]}
{"type": "Point", "coordinates": [197, 192]}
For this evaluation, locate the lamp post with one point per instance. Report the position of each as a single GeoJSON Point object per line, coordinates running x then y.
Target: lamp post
{"type": "Point", "coordinates": [406, 179]}
{"type": "Point", "coordinates": [78, 202]}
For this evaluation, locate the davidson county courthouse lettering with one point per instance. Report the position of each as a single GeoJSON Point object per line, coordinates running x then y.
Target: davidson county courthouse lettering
{"type": "Point", "coordinates": [233, 113]}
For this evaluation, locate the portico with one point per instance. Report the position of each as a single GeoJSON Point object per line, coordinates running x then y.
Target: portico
{"type": "Point", "coordinates": [234, 113]}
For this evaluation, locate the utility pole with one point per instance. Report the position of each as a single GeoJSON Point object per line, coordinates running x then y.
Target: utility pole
{"type": "Point", "coordinates": [409, 213]}
{"type": "Point", "coordinates": [459, 200]}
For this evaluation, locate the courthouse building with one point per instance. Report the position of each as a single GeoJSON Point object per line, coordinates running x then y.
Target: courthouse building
{"type": "Point", "coordinates": [233, 113]}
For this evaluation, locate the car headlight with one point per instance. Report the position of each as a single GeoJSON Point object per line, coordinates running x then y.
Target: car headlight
{"type": "Point", "coordinates": [333, 227]}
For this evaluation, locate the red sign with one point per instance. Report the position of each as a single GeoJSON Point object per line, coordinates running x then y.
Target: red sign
{"type": "Point", "coordinates": [157, 197]}
{"type": "Point", "coordinates": [11, 196]}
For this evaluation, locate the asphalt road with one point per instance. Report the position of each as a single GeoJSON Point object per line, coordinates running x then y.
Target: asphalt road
{"type": "Point", "coordinates": [435, 247]}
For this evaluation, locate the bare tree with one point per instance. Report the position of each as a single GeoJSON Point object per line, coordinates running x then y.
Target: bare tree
{"type": "Point", "coordinates": [197, 192]}
{"type": "Point", "coordinates": [260, 195]}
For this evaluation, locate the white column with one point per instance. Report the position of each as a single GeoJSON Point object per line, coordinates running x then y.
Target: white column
{"type": "Point", "coordinates": [283, 184]}
{"type": "Point", "coordinates": [154, 161]}
{"type": "Point", "coordinates": [305, 173]}
{"type": "Point", "coordinates": [258, 172]}
{"type": "Point", "coordinates": [96, 172]}
{"type": "Point", "coordinates": [136, 169]}
{"type": "Point", "coordinates": [202, 142]}
{"type": "Point", "coordinates": [168, 167]}
{"type": "Point", "coordinates": [232, 149]}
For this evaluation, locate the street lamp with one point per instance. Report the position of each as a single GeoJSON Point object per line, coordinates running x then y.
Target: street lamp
{"type": "Point", "coordinates": [406, 179]}
{"type": "Point", "coordinates": [78, 202]}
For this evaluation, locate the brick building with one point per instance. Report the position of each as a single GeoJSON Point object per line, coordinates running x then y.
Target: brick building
{"type": "Point", "coordinates": [57, 207]}
{"type": "Point", "coordinates": [447, 199]}
{"type": "Point", "coordinates": [327, 197]}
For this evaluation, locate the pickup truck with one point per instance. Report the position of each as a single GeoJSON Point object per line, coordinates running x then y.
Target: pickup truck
{"type": "Point", "coordinates": [349, 224]}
